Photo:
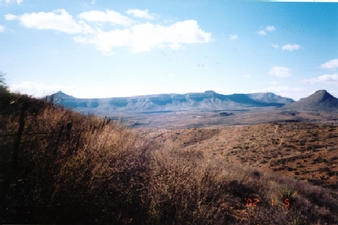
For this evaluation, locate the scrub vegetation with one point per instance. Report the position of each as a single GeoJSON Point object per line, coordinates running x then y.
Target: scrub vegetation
{"type": "Point", "coordinates": [60, 167]}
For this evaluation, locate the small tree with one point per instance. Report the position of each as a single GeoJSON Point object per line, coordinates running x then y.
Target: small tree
{"type": "Point", "coordinates": [5, 96]}
{"type": "Point", "coordinates": [3, 86]}
{"type": "Point", "coordinates": [2, 79]}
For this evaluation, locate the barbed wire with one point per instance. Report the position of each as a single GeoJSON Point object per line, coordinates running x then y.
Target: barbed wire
{"type": "Point", "coordinates": [47, 133]}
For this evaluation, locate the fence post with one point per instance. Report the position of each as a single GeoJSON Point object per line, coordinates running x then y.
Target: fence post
{"type": "Point", "coordinates": [58, 142]}
{"type": "Point", "coordinates": [12, 171]}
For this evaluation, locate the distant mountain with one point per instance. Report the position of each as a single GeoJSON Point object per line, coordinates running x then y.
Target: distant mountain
{"type": "Point", "coordinates": [319, 101]}
{"type": "Point", "coordinates": [270, 97]}
{"type": "Point", "coordinates": [206, 101]}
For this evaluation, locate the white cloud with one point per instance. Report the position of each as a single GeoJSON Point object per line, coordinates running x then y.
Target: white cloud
{"type": "Point", "coordinates": [332, 64]}
{"type": "Point", "coordinates": [109, 16]}
{"type": "Point", "coordinates": [275, 45]}
{"type": "Point", "coordinates": [233, 37]}
{"type": "Point", "coordinates": [270, 28]}
{"type": "Point", "coordinates": [138, 13]}
{"type": "Point", "coordinates": [266, 30]}
{"type": "Point", "coordinates": [136, 36]}
{"type": "Point", "coordinates": [144, 37]}
{"type": "Point", "coordinates": [105, 41]}
{"type": "Point", "coordinates": [261, 32]}
{"type": "Point", "coordinates": [325, 78]}
{"type": "Point", "coordinates": [12, 1]}
{"type": "Point", "coordinates": [59, 20]}
{"type": "Point", "coordinates": [2, 28]}
{"type": "Point", "coordinates": [280, 71]}
{"type": "Point", "coordinates": [10, 17]}
{"type": "Point", "coordinates": [291, 47]}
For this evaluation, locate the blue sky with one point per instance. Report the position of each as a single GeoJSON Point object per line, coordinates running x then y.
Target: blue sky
{"type": "Point", "coordinates": [107, 48]}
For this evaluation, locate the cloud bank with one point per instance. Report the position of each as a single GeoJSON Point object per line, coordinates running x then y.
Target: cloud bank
{"type": "Point", "coordinates": [138, 13]}
{"type": "Point", "coordinates": [144, 37]}
{"type": "Point", "coordinates": [11, 1]}
{"type": "Point", "coordinates": [119, 30]}
{"type": "Point", "coordinates": [108, 16]}
{"type": "Point", "coordinates": [59, 20]}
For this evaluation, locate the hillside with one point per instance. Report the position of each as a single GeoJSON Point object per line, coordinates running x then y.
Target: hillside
{"type": "Point", "coordinates": [305, 151]}
{"type": "Point", "coordinates": [61, 167]}
{"type": "Point", "coordinates": [207, 101]}
{"type": "Point", "coordinates": [319, 101]}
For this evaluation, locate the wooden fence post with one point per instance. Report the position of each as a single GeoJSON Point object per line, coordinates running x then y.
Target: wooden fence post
{"type": "Point", "coordinates": [12, 171]}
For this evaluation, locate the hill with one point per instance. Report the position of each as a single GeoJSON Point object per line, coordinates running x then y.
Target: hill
{"type": "Point", "coordinates": [319, 101]}
{"type": "Point", "coordinates": [305, 151]}
{"type": "Point", "coordinates": [58, 167]}
{"type": "Point", "coordinates": [207, 101]}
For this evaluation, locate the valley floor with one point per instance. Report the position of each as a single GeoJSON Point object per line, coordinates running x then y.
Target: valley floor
{"type": "Point", "coordinates": [198, 119]}
{"type": "Point", "coordinates": [305, 151]}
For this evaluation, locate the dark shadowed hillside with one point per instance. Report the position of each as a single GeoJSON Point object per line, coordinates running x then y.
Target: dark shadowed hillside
{"type": "Point", "coordinates": [319, 101]}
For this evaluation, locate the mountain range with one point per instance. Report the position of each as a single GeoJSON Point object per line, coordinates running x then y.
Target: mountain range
{"type": "Point", "coordinates": [206, 101]}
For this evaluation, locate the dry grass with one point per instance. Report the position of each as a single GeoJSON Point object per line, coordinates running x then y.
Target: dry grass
{"type": "Point", "coordinates": [187, 186]}
{"type": "Point", "coordinates": [305, 151]}
{"type": "Point", "coordinates": [81, 169]}
{"type": "Point", "coordinates": [70, 168]}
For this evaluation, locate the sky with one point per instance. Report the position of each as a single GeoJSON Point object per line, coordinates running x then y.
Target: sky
{"type": "Point", "coordinates": [101, 48]}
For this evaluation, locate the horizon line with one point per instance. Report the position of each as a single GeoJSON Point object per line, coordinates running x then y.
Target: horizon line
{"type": "Point", "coordinates": [60, 91]}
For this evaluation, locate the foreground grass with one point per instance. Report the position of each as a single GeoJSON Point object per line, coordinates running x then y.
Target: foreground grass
{"type": "Point", "coordinates": [58, 166]}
